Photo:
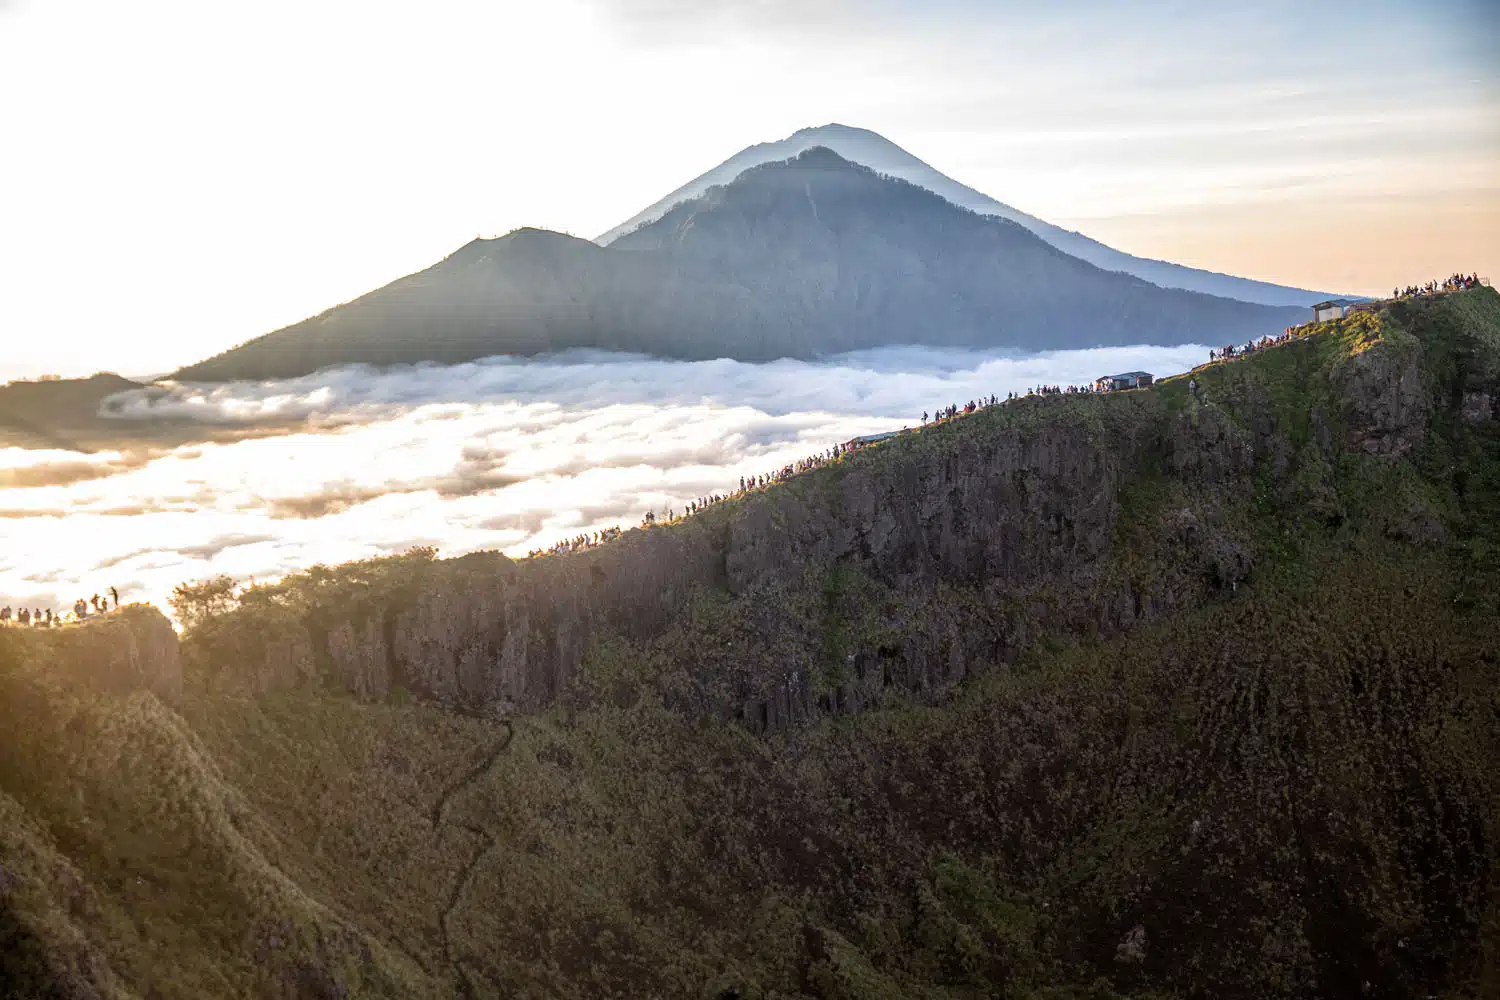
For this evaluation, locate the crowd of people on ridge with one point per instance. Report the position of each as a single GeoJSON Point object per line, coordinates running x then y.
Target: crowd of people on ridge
{"type": "Point", "coordinates": [759, 481]}
{"type": "Point", "coordinates": [1457, 282]}
{"type": "Point", "coordinates": [578, 543]}
{"type": "Point", "coordinates": [46, 618]}
{"type": "Point", "coordinates": [1231, 351]}
{"type": "Point", "coordinates": [833, 454]}
{"type": "Point", "coordinates": [763, 480]}
{"type": "Point", "coordinates": [589, 540]}
{"type": "Point", "coordinates": [1452, 283]}
{"type": "Point", "coordinates": [955, 410]}
{"type": "Point", "coordinates": [942, 414]}
{"type": "Point", "coordinates": [752, 482]}
{"type": "Point", "coordinates": [1059, 390]}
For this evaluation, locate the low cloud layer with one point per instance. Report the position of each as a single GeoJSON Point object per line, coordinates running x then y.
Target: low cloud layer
{"type": "Point", "coordinates": [498, 454]}
{"type": "Point", "coordinates": [890, 382]}
{"type": "Point", "coordinates": [23, 468]}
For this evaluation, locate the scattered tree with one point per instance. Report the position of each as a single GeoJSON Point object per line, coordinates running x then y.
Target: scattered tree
{"type": "Point", "coordinates": [196, 603]}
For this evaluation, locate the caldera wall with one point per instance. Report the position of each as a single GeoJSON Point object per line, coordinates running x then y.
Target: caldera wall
{"type": "Point", "coordinates": [965, 542]}
{"type": "Point", "coordinates": [130, 649]}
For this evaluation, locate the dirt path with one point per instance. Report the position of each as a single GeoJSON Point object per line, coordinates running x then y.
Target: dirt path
{"type": "Point", "coordinates": [460, 887]}
{"type": "Point", "coordinates": [437, 816]}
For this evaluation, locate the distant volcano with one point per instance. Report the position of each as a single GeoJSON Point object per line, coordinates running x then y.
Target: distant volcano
{"type": "Point", "coordinates": [799, 258]}
{"type": "Point", "coordinates": [885, 157]}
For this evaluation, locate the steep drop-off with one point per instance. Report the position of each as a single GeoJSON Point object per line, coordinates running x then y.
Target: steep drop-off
{"type": "Point", "coordinates": [128, 866]}
{"type": "Point", "coordinates": [919, 558]}
{"type": "Point", "coordinates": [1154, 694]}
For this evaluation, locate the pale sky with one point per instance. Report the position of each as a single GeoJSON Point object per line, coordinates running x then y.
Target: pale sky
{"type": "Point", "coordinates": [178, 176]}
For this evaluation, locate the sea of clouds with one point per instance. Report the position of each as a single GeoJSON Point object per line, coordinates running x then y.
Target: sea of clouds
{"type": "Point", "coordinates": [505, 453]}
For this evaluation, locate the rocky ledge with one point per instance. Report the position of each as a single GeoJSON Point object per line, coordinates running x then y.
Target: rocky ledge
{"type": "Point", "coordinates": [910, 563]}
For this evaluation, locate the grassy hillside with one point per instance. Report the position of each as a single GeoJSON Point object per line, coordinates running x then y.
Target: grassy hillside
{"type": "Point", "coordinates": [1282, 786]}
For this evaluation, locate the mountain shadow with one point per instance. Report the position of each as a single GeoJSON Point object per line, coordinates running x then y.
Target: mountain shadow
{"type": "Point", "coordinates": [802, 258]}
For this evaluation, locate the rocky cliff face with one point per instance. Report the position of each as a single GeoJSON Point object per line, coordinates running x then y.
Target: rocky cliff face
{"type": "Point", "coordinates": [992, 505]}
{"type": "Point", "coordinates": [965, 542]}
{"type": "Point", "coordinates": [1282, 789]}
{"type": "Point", "coordinates": [132, 649]}
{"type": "Point", "coordinates": [1388, 397]}
{"type": "Point", "coordinates": [112, 815]}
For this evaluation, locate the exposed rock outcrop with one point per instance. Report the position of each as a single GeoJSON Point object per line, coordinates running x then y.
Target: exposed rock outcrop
{"type": "Point", "coordinates": [1478, 407]}
{"type": "Point", "coordinates": [967, 542]}
{"type": "Point", "coordinates": [132, 649]}
{"type": "Point", "coordinates": [1009, 506]}
{"type": "Point", "coordinates": [1185, 787]}
{"type": "Point", "coordinates": [1386, 394]}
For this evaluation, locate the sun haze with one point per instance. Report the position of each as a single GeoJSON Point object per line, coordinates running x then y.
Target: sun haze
{"type": "Point", "coordinates": [181, 177]}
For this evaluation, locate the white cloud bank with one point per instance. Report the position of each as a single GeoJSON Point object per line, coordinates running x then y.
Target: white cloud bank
{"type": "Point", "coordinates": [503, 453]}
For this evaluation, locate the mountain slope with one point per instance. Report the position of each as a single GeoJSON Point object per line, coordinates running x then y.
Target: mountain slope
{"type": "Point", "coordinates": [1149, 694]}
{"type": "Point", "coordinates": [883, 156]}
{"type": "Point", "coordinates": [1018, 499]}
{"type": "Point", "coordinates": [54, 414]}
{"type": "Point", "coordinates": [795, 259]}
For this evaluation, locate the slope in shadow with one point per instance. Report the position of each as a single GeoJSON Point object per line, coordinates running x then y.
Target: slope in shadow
{"type": "Point", "coordinates": [465, 874]}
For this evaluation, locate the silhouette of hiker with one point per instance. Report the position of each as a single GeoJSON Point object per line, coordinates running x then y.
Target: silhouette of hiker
{"type": "Point", "coordinates": [116, 595]}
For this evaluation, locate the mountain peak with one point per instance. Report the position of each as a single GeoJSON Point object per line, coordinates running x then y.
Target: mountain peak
{"type": "Point", "coordinates": [836, 129]}
{"type": "Point", "coordinates": [873, 150]}
{"type": "Point", "coordinates": [525, 240]}
{"type": "Point", "coordinates": [820, 157]}
{"type": "Point", "coordinates": [531, 234]}
{"type": "Point", "coordinates": [804, 256]}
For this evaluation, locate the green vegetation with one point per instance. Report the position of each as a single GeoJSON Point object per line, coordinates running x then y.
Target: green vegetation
{"type": "Point", "coordinates": [1268, 770]}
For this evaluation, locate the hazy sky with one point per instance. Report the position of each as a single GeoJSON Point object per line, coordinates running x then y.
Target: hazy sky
{"type": "Point", "coordinates": [177, 176]}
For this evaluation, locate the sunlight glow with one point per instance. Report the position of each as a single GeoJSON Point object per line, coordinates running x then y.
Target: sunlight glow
{"type": "Point", "coordinates": [182, 176]}
{"type": "Point", "coordinates": [392, 460]}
